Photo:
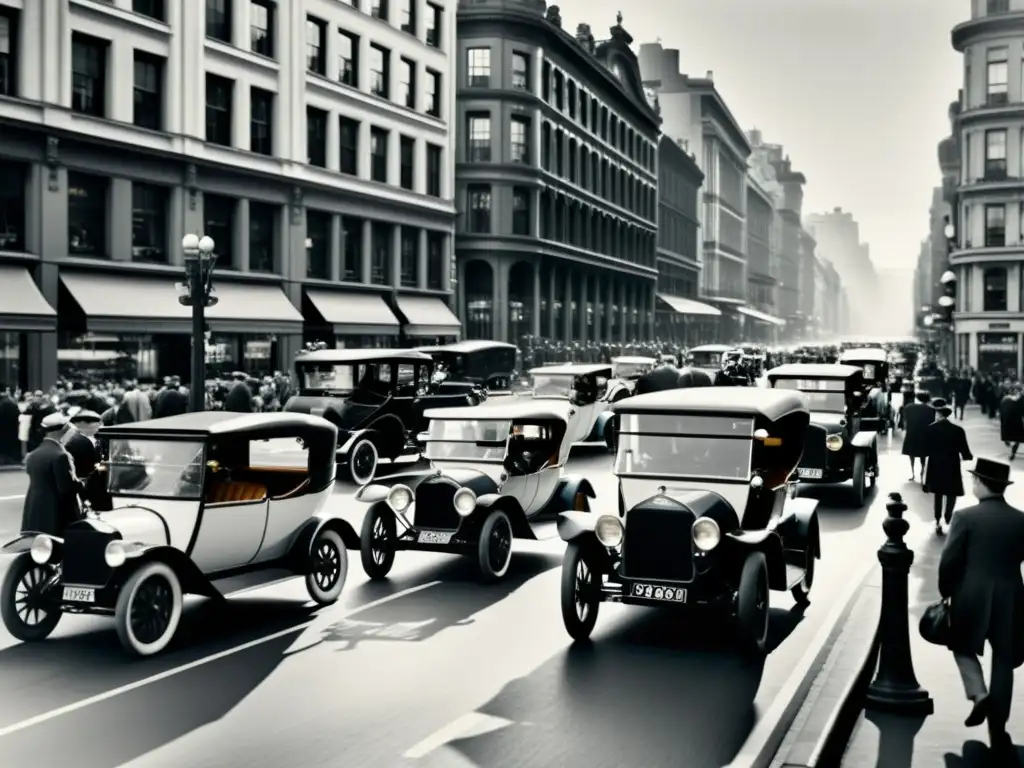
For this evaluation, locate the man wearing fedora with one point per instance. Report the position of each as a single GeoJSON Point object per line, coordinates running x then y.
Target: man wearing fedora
{"type": "Point", "coordinates": [946, 446]}
{"type": "Point", "coordinates": [51, 501]}
{"type": "Point", "coordinates": [980, 575]}
{"type": "Point", "coordinates": [916, 418]}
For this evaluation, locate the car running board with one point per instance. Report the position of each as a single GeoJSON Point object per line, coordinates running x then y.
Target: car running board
{"type": "Point", "coordinates": [245, 582]}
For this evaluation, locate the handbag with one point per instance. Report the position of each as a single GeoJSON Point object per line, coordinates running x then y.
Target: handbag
{"type": "Point", "coordinates": [935, 625]}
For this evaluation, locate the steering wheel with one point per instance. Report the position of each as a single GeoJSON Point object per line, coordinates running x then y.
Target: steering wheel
{"type": "Point", "coordinates": [517, 464]}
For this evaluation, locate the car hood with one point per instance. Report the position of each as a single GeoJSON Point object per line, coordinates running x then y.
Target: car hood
{"type": "Point", "coordinates": [830, 422]}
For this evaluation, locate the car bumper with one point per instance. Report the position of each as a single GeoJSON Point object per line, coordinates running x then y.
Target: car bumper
{"type": "Point", "coordinates": [705, 589]}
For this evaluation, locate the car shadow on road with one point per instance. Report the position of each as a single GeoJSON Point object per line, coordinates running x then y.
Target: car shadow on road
{"type": "Point", "coordinates": [836, 506]}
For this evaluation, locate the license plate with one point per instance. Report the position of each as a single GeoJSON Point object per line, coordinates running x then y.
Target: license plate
{"type": "Point", "coordinates": [809, 473]}
{"type": "Point", "coordinates": [434, 537]}
{"type": "Point", "coordinates": [653, 592]}
{"type": "Point", "coordinates": [79, 595]}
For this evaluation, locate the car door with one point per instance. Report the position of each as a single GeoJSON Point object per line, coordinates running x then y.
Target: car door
{"type": "Point", "coordinates": [521, 487]}
{"type": "Point", "coordinates": [229, 534]}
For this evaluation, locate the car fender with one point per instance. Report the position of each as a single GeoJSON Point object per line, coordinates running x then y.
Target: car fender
{"type": "Point", "coordinates": [616, 391]}
{"type": "Point", "coordinates": [489, 502]}
{"type": "Point", "coordinates": [378, 491]}
{"type": "Point", "coordinates": [770, 544]}
{"type": "Point", "coordinates": [193, 580]}
{"type": "Point", "coordinates": [302, 547]}
{"type": "Point", "coordinates": [571, 485]}
{"type": "Point", "coordinates": [864, 439]}
{"type": "Point", "coordinates": [24, 542]}
{"type": "Point", "coordinates": [390, 434]}
{"type": "Point", "coordinates": [353, 437]}
{"type": "Point", "coordinates": [573, 525]}
{"type": "Point", "coordinates": [599, 425]}
{"type": "Point", "coordinates": [799, 525]}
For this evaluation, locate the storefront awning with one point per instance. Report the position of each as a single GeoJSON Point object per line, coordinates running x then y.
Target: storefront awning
{"type": "Point", "coordinates": [428, 316]}
{"type": "Point", "coordinates": [136, 304]}
{"type": "Point", "coordinates": [355, 314]}
{"type": "Point", "coordinates": [689, 306]}
{"type": "Point", "coordinates": [764, 317]}
{"type": "Point", "coordinates": [22, 306]}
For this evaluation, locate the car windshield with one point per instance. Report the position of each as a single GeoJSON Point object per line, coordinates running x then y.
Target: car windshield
{"type": "Point", "coordinates": [823, 395]}
{"type": "Point", "coordinates": [706, 359]}
{"type": "Point", "coordinates": [156, 468]}
{"type": "Point", "coordinates": [457, 440]}
{"type": "Point", "coordinates": [334, 378]}
{"type": "Point", "coordinates": [672, 456]}
{"type": "Point", "coordinates": [628, 370]}
{"type": "Point", "coordinates": [546, 385]}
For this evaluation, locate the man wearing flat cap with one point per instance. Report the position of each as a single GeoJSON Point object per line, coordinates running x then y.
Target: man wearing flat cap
{"type": "Point", "coordinates": [980, 575]}
{"type": "Point", "coordinates": [51, 502]}
{"type": "Point", "coordinates": [946, 444]}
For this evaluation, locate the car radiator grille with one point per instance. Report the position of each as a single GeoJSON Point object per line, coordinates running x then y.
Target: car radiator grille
{"type": "Point", "coordinates": [815, 452]}
{"type": "Point", "coordinates": [83, 561]}
{"type": "Point", "coordinates": [659, 544]}
{"type": "Point", "coordinates": [435, 506]}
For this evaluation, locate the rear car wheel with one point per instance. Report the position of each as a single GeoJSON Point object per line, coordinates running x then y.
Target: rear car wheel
{"type": "Point", "coordinates": [752, 605]}
{"type": "Point", "coordinates": [581, 597]}
{"type": "Point", "coordinates": [377, 542]}
{"type": "Point", "coordinates": [148, 609]}
{"type": "Point", "coordinates": [328, 567]}
{"type": "Point", "coordinates": [860, 467]}
{"type": "Point", "coordinates": [494, 548]}
{"type": "Point", "coordinates": [26, 613]}
{"type": "Point", "coordinates": [362, 462]}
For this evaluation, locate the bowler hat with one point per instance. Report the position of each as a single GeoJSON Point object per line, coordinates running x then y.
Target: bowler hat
{"type": "Point", "coordinates": [53, 422]}
{"type": "Point", "coordinates": [995, 472]}
{"type": "Point", "coordinates": [938, 403]}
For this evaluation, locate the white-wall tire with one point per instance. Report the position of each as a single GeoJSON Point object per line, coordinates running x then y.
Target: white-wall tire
{"type": "Point", "coordinates": [364, 452]}
{"type": "Point", "coordinates": [157, 582]}
{"type": "Point", "coordinates": [328, 568]}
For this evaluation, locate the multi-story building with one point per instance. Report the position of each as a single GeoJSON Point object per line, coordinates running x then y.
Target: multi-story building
{"type": "Point", "coordinates": [309, 139]}
{"type": "Point", "coordinates": [557, 165]}
{"type": "Point", "coordinates": [809, 318]}
{"type": "Point", "coordinates": [789, 209]}
{"type": "Point", "coordinates": [838, 237]}
{"type": "Point", "coordinates": [680, 317]}
{"type": "Point", "coordinates": [764, 241]}
{"type": "Point", "coordinates": [694, 111]}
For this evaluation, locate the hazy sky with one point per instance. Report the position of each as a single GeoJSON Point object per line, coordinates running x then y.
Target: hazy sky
{"type": "Point", "coordinates": [856, 90]}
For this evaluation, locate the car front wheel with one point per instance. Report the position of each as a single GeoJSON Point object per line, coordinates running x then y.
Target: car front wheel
{"type": "Point", "coordinates": [581, 598]}
{"type": "Point", "coordinates": [377, 542]}
{"type": "Point", "coordinates": [328, 567]}
{"type": "Point", "coordinates": [752, 605]}
{"type": "Point", "coordinates": [26, 612]}
{"type": "Point", "coordinates": [148, 609]}
{"type": "Point", "coordinates": [494, 548]}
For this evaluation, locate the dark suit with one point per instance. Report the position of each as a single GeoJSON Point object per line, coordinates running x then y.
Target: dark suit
{"type": "Point", "coordinates": [947, 446]}
{"type": "Point", "coordinates": [51, 502]}
{"type": "Point", "coordinates": [170, 402]}
{"type": "Point", "coordinates": [239, 399]}
{"type": "Point", "coordinates": [980, 573]}
{"type": "Point", "coordinates": [916, 418]}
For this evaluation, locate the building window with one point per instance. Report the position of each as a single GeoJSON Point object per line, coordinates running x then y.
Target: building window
{"type": "Point", "coordinates": [380, 251]}
{"type": "Point", "coordinates": [318, 241]}
{"type": "Point", "coordinates": [149, 223]}
{"type": "Point", "coordinates": [261, 28]}
{"type": "Point", "coordinates": [153, 8]}
{"type": "Point", "coordinates": [262, 234]}
{"type": "Point", "coordinates": [351, 249]}
{"type": "Point", "coordinates": [218, 20]}
{"type": "Point", "coordinates": [995, 226]}
{"type": "Point", "coordinates": [316, 137]}
{"type": "Point", "coordinates": [584, 108]}
{"type": "Point", "coordinates": [219, 223]}
{"type": "Point", "coordinates": [434, 16]}
{"type": "Point", "coordinates": [435, 260]}
{"type": "Point", "coordinates": [479, 138]}
{"type": "Point", "coordinates": [433, 90]}
{"type": "Point", "coordinates": [545, 82]}
{"type": "Point", "coordinates": [348, 58]}
{"type": "Point", "coordinates": [8, 52]}
{"type": "Point", "coordinates": [572, 99]}
{"type": "Point", "coordinates": [379, 9]}
{"type": "Point", "coordinates": [407, 146]}
{"type": "Point", "coordinates": [148, 91]}
{"type": "Point", "coordinates": [520, 211]}
{"type": "Point", "coordinates": [410, 261]}
{"type": "Point", "coordinates": [996, 76]}
{"type": "Point", "coordinates": [478, 65]}
{"type": "Point", "coordinates": [479, 208]}
{"type": "Point", "coordinates": [407, 83]}
{"type": "Point", "coordinates": [433, 170]}
{"type": "Point", "coordinates": [89, 74]}
{"type": "Point", "coordinates": [407, 16]}
{"type": "Point", "coordinates": [380, 71]}
{"type": "Point", "coordinates": [12, 205]}
{"type": "Point", "coordinates": [995, 154]}
{"type": "Point", "coordinates": [348, 134]}
{"type": "Point", "coordinates": [519, 136]}
{"type": "Point", "coordinates": [261, 133]}
{"type": "Point", "coordinates": [520, 71]}
{"type": "Point", "coordinates": [219, 92]}
{"type": "Point", "coordinates": [316, 50]}
{"type": "Point", "coordinates": [87, 214]}
{"type": "Point", "coordinates": [994, 280]}
{"type": "Point", "coordinates": [379, 155]}
{"type": "Point", "coordinates": [559, 90]}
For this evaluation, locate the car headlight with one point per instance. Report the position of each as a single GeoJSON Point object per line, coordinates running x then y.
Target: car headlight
{"type": "Point", "coordinates": [115, 554]}
{"type": "Point", "coordinates": [834, 442]}
{"type": "Point", "coordinates": [465, 501]}
{"type": "Point", "coordinates": [609, 530]}
{"type": "Point", "coordinates": [706, 534]}
{"type": "Point", "coordinates": [42, 549]}
{"type": "Point", "coordinates": [400, 498]}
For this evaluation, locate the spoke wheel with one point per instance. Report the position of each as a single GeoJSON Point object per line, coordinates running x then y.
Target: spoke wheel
{"type": "Point", "coordinates": [362, 462]}
{"type": "Point", "coordinates": [148, 609]}
{"type": "Point", "coordinates": [377, 541]}
{"type": "Point", "coordinates": [328, 567]}
{"type": "Point", "coordinates": [494, 548]}
{"type": "Point", "coordinates": [581, 596]}
{"type": "Point", "coordinates": [27, 613]}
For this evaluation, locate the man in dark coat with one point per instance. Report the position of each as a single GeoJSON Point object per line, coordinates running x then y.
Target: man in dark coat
{"type": "Point", "coordinates": [947, 446]}
{"type": "Point", "coordinates": [10, 446]}
{"type": "Point", "coordinates": [86, 455]}
{"type": "Point", "coordinates": [961, 394]}
{"type": "Point", "coordinates": [51, 502]}
{"type": "Point", "coordinates": [239, 398]}
{"type": "Point", "coordinates": [980, 574]}
{"type": "Point", "coordinates": [916, 419]}
{"type": "Point", "coordinates": [1011, 421]}
{"type": "Point", "coordinates": [171, 401]}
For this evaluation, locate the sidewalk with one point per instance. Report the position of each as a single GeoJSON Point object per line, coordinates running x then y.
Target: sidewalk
{"type": "Point", "coordinates": [940, 740]}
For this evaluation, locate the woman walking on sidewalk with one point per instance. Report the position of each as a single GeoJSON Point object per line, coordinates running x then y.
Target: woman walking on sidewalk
{"type": "Point", "coordinates": [916, 419]}
{"type": "Point", "coordinates": [980, 575]}
{"type": "Point", "coordinates": [946, 444]}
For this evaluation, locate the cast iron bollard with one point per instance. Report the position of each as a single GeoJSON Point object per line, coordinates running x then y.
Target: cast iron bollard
{"type": "Point", "coordinates": [895, 687]}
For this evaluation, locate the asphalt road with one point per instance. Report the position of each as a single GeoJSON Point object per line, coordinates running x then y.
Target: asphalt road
{"type": "Point", "coordinates": [428, 669]}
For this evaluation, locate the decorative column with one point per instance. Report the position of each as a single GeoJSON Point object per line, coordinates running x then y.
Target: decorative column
{"type": "Point", "coordinates": [608, 316]}
{"type": "Point", "coordinates": [335, 249]}
{"type": "Point", "coordinates": [584, 299]}
{"type": "Point", "coordinates": [535, 310]}
{"type": "Point", "coordinates": [567, 307]}
{"type": "Point", "coordinates": [366, 253]}
{"type": "Point", "coordinates": [623, 314]}
{"type": "Point", "coordinates": [499, 299]}
{"type": "Point", "coordinates": [550, 330]}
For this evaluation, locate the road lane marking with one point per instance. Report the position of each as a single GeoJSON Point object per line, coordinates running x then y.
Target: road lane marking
{"type": "Point", "coordinates": [128, 688]}
{"type": "Point", "coordinates": [12, 498]}
{"type": "Point", "coordinates": [468, 725]}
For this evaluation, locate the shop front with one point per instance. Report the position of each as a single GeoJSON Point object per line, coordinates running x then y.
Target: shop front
{"type": "Point", "coordinates": [426, 321]}
{"type": "Point", "coordinates": [683, 321]}
{"type": "Point", "coordinates": [349, 320]}
{"type": "Point", "coordinates": [759, 326]}
{"type": "Point", "coordinates": [23, 313]}
{"type": "Point", "coordinates": [998, 352]}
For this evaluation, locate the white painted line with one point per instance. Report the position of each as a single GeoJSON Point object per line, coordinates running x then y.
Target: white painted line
{"type": "Point", "coordinates": [759, 749]}
{"type": "Point", "coordinates": [469, 724]}
{"type": "Point", "coordinates": [13, 498]}
{"type": "Point", "coordinates": [101, 697]}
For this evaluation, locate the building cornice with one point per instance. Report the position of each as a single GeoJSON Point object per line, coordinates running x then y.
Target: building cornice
{"type": "Point", "coordinates": [1009, 24]}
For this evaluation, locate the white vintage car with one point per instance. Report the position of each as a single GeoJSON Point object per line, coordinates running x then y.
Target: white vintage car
{"type": "Point", "coordinates": [625, 372]}
{"type": "Point", "coordinates": [584, 387]}
{"type": "Point", "coordinates": [199, 507]}
{"type": "Point", "coordinates": [497, 474]}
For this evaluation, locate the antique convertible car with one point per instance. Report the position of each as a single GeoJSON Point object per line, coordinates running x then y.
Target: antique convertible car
{"type": "Point", "coordinates": [842, 441]}
{"type": "Point", "coordinates": [478, 367]}
{"type": "Point", "coordinates": [705, 515]}
{"type": "Point", "coordinates": [200, 507]}
{"type": "Point", "coordinates": [707, 357]}
{"type": "Point", "coordinates": [874, 362]}
{"type": "Point", "coordinates": [498, 473]}
{"type": "Point", "coordinates": [376, 399]}
{"type": "Point", "coordinates": [625, 372]}
{"type": "Point", "coordinates": [583, 386]}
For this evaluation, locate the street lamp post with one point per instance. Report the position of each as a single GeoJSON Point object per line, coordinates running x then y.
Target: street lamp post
{"type": "Point", "coordinates": [197, 292]}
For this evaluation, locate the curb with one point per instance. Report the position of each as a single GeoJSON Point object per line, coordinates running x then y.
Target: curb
{"type": "Point", "coordinates": [766, 740]}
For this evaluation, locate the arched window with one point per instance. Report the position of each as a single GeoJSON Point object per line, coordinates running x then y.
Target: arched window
{"type": "Point", "coordinates": [995, 289]}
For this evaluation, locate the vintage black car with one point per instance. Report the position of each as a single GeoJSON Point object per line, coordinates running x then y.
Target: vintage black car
{"type": "Point", "coordinates": [705, 515]}
{"type": "Point", "coordinates": [874, 362]}
{"type": "Point", "coordinates": [376, 399]}
{"type": "Point", "coordinates": [842, 442]}
{"type": "Point", "coordinates": [478, 367]}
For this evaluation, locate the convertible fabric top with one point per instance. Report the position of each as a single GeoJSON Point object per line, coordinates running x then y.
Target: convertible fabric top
{"type": "Point", "coordinates": [474, 346]}
{"type": "Point", "coordinates": [865, 354]}
{"type": "Point", "coordinates": [571, 369]}
{"type": "Point", "coordinates": [342, 356]}
{"type": "Point", "coordinates": [219, 423]}
{"type": "Point", "coordinates": [814, 371]}
{"type": "Point", "coordinates": [732, 401]}
{"type": "Point", "coordinates": [633, 360]}
{"type": "Point", "coordinates": [505, 409]}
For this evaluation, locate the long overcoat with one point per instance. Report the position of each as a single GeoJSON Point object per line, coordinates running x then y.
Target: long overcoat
{"type": "Point", "coordinates": [916, 419]}
{"type": "Point", "coordinates": [980, 573]}
{"type": "Point", "coordinates": [1011, 420]}
{"type": "Point", "coordinates": [51, 502]}
{"type": "Point", "coordinates": [947, 446]}
{"type": "Point", "coordinates": [10, 446]}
